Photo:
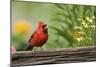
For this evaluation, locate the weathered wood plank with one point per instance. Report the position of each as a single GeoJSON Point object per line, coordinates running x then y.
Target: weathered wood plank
{"type": "Point", "coordinates": [54, 56]}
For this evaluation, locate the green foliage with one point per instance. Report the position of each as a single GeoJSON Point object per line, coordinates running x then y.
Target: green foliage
{"type": "Point", "coordinates": [62, 20]}
{"type": "Point", "coordinates": [19, 41]}
{"type": "Point", "coordinates": [68, 16]}
{"type": "Point", "coordinates": [66, 35]}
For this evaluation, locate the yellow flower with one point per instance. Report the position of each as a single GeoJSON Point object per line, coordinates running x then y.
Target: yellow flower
{"type": "Point", "coordinates": [93, 17]}
{"type": "Point", "coordinates": [77, 34]}
{"type": "Point", "coordinates": [90, 38]}
{"type": "Point", "coordinates": [90, 19]}
{"type": "Point", "coordinates": [85, 25]}
{"type": "Point", "coordinates": [76, 27]}
{"type": "Point", "coordinates": [22, 27]}
{"type": "Point", "coordinates": [94, 28]}
{"type": "Point", "coordinates": [79, 39]}
{"type": "Point", "coordinates": [80, 19]}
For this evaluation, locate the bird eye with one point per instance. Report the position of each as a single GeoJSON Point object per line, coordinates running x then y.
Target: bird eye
{"type": "Point", "coordinates": [44, 25]}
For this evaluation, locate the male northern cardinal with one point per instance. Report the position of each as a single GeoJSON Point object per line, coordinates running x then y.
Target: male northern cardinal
{"type": "Point", "coordinates": [39, 37]}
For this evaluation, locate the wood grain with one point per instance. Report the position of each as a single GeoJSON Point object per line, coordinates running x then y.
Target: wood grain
{"type": "Point", "coordinates": [54, 56]}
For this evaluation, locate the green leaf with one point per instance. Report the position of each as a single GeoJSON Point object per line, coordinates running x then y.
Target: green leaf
{"type": "Point", "coordinates": [60, 6]}
{"type": "Point", "coordinates": [65, 35]}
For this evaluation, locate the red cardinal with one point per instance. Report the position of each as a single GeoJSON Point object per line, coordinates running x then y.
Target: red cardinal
{"type": "Point", "coordinates": [39, 37]}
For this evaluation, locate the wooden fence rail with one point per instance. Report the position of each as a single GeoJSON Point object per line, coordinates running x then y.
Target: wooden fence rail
{"type": "Point", "coordinates": [54, 56]}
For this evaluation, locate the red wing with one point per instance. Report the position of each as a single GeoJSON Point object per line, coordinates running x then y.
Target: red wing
{"type": "Point", "coordinates": [31, 37]}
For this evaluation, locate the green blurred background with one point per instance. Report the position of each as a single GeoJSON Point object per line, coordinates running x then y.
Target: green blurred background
{"type": "Point", "coordinates": [69, 25]}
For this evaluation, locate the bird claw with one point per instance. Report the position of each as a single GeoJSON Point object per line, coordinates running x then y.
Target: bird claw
{"type": "Point", "coordinates": [34, 50]}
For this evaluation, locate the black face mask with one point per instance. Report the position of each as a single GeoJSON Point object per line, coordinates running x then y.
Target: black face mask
{"type": "Point", "coordinates": [45, 30]}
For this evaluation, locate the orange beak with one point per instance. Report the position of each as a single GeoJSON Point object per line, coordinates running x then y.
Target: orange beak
{"type": "Point", "coordinates": [46, 27]}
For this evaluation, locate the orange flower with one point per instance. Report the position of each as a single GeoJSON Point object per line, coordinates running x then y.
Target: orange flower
{"type": "Point", "coordinates": [22, 27]}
